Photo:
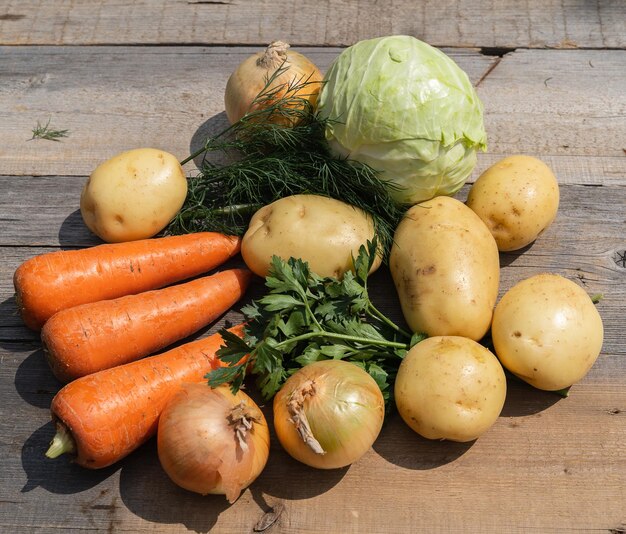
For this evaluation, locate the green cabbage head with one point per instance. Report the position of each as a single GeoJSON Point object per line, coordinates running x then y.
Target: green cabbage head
{"type": "Point", "coordinates": [407, 110]}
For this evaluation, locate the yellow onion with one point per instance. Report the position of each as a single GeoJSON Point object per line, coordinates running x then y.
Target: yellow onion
{"type": "Point", "coordinates": [211, 441]}
{"type": "Point", "coordinates": [328, 414]}
{"type": "Point", "coordinates": [252, 75]}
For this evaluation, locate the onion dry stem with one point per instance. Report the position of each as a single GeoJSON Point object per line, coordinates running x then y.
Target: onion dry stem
{"type": "Point", "coordinates": [242, 421]}
{"type": "Point", "coordinates": [299, 418]}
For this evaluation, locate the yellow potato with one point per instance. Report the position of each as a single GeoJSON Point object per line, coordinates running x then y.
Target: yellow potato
{"type": "Point", "coordinates": [517, 198]}
{"type": "Point", "coordinates": [322, 231]}
{"type": "Point", "coordinates": [450, 387]}
{"type": "Point", "coordinates": [133, 195]}
{"type": "Point", "coordinates": [547, 331]}
{"type": "Point", "coordinates": [446, 269]}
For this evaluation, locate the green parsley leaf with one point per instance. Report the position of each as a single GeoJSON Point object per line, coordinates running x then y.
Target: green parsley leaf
{"type": "Point", "coordinates": [278, 302]}
{"type": "Point", "coordinates": [223, 375]}
{"type": "Point", "coordinates": [305, 318]}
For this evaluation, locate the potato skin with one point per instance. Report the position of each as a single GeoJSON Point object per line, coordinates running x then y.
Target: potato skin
{"type": "Point", "coordinates": [547, 331]}
{"type": "Point", "coordinates": [450, 387]}
{"type": "Point", "coordinates": [517, 198]}
{"type": "Point", "coordinates": [446, 269]}
{"type": "Point", "coordinates": [322, 231]}
{"type": "Point", "coordinates": [133, 195]}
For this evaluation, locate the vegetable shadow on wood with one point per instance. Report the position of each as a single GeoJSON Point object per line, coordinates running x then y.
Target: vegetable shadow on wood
{"type": "Point", "coordinates": [208, 128]}
{"type": "Point", "coordinates": [73, 233]}
{"type": "Point", "coordinates": [401, 446]}
{"type": "Point", "coordinates": [508, 258]}
{"type": "Point", "coordinates": [285, 477]}
{"type": "Point", "coordinates": [523, 399]}
{"type": "Point", "coordinates": [144, 488]}
{"type": "Point", "coordinates": [12, 329]}
{"type": "Point", "coordinates": [34, 382]}
{"type": "Point", "coordinates": [58, 476]}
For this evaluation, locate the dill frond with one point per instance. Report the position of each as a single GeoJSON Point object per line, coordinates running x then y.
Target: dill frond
{"type": "Point", "coordinates": [268, 161]}
{"type": "Point", "coordinates": [46, 132]}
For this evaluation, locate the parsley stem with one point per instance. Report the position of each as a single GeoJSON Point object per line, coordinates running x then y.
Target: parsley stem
{"type": "Point", "coordinates": [375, 312]}
{"type": "Point", "coordinates": [310, 313]}
{"type": "Point", "coordinates": [345, 337]}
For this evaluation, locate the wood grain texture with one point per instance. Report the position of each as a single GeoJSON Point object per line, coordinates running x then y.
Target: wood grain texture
{"type": "Point", "coordinates": [172, 98]}
{"type": "Point", "coordinates": [549, 464]}
{"type": "Point", "coordinates": [115, 98]}
{"type": "Point", "coordinates": [482, 23]}
{"type": "Point", "coordinates": [557, 102]}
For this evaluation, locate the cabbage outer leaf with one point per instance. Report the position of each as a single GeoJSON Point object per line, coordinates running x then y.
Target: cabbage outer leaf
{"type": "Point", "coordinates": [407, 110]}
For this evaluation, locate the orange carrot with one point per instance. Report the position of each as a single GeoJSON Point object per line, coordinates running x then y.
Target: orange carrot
{"type": "Point", "coordinates": [90, 337]}
{"type": "Point", "coordinates": [103, 417]}
{"type": "Point", "coordinates": [58, 280]}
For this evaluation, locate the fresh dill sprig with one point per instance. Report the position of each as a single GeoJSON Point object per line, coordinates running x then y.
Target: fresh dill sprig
{"type": "Point", "coordinates": [305, 318]}
{"type": "Point", "coordinates": [278, 149]}
{"type": "Point", "coordinates": [46, 132]}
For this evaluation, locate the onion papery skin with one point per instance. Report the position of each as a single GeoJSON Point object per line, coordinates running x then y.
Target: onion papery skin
{"type": "Point", "coordinates": [197, 445]}
{"type": "Point", "coordinates": [345, 413]}
{"type": "Point", "coordinates": [252, 74]}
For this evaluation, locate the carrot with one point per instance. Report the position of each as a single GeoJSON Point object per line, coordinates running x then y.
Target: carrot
{"type": "Point", "coordinates": [54, 281]}
{"type": "Point", "coordinates": [90, 337]}
{"type": "Point", "coordinates": [105, 416]}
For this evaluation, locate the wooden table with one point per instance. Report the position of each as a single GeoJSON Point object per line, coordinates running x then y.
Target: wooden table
{"type": "Point", "coordinates": [119, 75]}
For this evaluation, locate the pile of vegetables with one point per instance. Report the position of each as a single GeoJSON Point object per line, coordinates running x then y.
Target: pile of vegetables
{"type": "Point", "coordinates": [327, 179]}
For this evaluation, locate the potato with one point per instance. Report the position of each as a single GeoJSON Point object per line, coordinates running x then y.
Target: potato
{"type": "Point", "coordinates": [133, 195]}
{"type": "Point", "coordinates": [322, 231]}
{"type": "Point", "coordinates": [517, 198]}
{"type": "Point", "coordinates": [445, 266]}
{"type": "Point", "coordinates": [450, 387]}
{"type": "Point", "coordinates": [547, 331]}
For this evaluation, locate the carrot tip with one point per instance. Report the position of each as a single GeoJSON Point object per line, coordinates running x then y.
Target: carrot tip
{"type": "Point", "coordinates": [62, 443]}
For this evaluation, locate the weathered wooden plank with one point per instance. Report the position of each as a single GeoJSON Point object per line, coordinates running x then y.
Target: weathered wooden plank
{"type": "Point", "coordinates": [557, 102]}
{"type": "Point", "coordinates": [483, 23]}
{"type": "Point", "coordinates": [548, 464]}
{"type": "Point", "coordinates": [112, 99]}
{"type": "Point", "coordinates": [569, 168]}
{"type": "Point", "coordinates": [546, 103]}
{"type": "Point", "coordinates": [44, 210]}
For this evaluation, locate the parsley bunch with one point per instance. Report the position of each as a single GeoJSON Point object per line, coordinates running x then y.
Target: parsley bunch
{"type": "Point", "coordinates": [305, 318]}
